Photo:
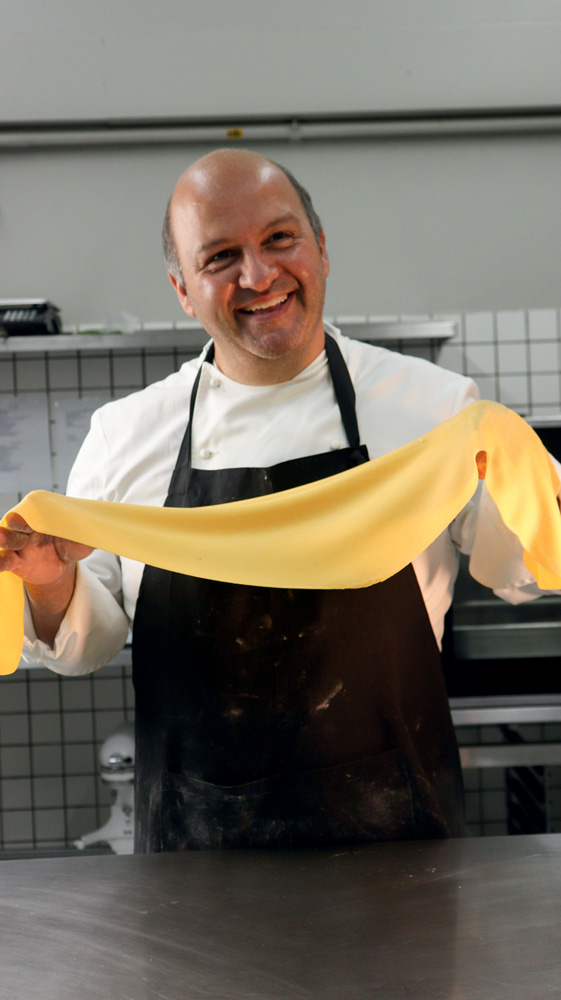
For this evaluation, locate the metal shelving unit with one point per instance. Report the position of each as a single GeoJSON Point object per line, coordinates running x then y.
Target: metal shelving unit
{"type": "Point", "coordinates": [186, 336]}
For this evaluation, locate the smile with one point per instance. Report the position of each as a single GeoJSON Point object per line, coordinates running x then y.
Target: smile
{"type": "Point", "coordinates": [266, 306]}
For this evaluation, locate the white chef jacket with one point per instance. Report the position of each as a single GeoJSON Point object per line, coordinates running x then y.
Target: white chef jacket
{"type": "Point", "coordinates": [132, 447]}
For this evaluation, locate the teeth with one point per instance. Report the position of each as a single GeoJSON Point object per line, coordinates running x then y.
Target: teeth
{"type": "Point", "coordinates": [266, 305]}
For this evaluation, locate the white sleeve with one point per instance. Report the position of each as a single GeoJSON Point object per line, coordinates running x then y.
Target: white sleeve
{"type": "Point", "coordinates": [95, 626]}
{"type": "Point", "coordinates": [496, 554]}
{"type": "Point", "coordinates": [93, 631]}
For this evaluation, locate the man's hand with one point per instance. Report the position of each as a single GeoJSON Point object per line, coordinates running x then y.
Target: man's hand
{"type": "Point", "coordinates": [39, 559]}
{"type": "Point", "coordinates": [47, 566]}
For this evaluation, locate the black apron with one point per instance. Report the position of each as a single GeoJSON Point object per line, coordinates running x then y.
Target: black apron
{"type": "Point", "coordinates": [271, 717]}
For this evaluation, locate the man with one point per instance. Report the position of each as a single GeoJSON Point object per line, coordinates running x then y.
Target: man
{"type": "Point", "coordinates": [264, 717]}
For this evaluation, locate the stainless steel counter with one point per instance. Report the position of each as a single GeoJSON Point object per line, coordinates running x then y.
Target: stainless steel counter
{"type": "Point", "coordinates": [460, 919]}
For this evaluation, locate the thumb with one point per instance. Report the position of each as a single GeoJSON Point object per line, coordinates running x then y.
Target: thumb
{"type": "Point", "coordinates": [71, 551]}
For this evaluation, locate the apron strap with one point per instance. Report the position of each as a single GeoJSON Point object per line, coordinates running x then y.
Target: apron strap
{"type": "Point", "coordinates": [344, 390]}
{"type": "Point", "coordinates": [209, 356]}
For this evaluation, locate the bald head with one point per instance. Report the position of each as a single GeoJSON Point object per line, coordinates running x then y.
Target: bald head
{"type": "Point", "coordinates": [211, 177]}
{"type": "Point", "coordinates": [223, 167]}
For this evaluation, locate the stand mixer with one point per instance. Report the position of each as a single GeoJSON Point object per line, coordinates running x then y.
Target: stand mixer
{"type": "Point", "coordinates": [116, 758]}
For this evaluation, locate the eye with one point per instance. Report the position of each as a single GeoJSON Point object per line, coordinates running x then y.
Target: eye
{"type": "Point", "coordinates": [280, 237]}
{"type": "Point", "coordinates": [221, 255]}
{"type": "Point", "coordinates": [219, 260]}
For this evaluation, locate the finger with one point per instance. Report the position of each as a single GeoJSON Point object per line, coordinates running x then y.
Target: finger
{"type": "Point", "coordinates": [71, 551]}
{"type": "Point", "coordinates": [67, 550]}
{"type": "Point", "coordinates": [16, 522]}
{"type": "Point", "coordinates": [7, 561]}
{"type": "Point", "coordinates": [13, 540]}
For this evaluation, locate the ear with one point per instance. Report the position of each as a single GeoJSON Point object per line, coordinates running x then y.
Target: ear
{"type": "Point", "coordinates": [323, 252]}
{"type": "Point", "coordinates": [182, 295]}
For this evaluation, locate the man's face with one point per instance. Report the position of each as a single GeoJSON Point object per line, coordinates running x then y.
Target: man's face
{"type": "Point", "coordinates": [254, 273]}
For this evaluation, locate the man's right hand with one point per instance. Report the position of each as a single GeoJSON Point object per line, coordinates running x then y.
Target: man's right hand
{"type": "Point", "coordinates": [47, 565]}
{"type": "Point", "coordinates": [38, 559]}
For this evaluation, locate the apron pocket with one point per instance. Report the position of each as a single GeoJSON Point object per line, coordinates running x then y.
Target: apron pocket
{"type": "Point", "coordinates": [361, 801]}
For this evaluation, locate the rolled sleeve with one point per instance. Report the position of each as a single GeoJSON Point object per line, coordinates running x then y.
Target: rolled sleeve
{"type": "Point", "coordinates": [496, 556]}
{"type": "Point", "coordinates": [93, 631]}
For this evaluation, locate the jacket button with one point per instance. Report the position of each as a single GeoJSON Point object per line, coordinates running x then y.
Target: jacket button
{"type": "Point", "coordinates": [215, 383]}
{"type": "Point", "coordinates": [205, 453]}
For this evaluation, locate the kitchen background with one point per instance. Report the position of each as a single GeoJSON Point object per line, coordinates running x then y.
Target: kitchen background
{"type": "Point", "coordinates": [429, 135]}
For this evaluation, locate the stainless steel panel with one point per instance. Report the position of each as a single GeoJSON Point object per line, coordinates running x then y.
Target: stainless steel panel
{"type": "Point", "coordinates": [444, 919]}
{"type": "Point", "coordinates": [511, 755]}
{"type": "Point", "coordinates": [487, 628]}
{"type": "Point", "coordinates": [506, 710]}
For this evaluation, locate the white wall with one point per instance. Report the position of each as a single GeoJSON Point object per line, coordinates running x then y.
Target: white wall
{"type": "Point", "coordinates": [413, 225]}
{"type": "Point", "coordinates": [115, 58]}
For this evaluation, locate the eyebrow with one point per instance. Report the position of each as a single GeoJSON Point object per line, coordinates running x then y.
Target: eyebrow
{"type": "Point", "coordinates": [287, 217]}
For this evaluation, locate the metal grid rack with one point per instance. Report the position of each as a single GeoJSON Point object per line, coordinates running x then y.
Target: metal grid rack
{"type": "Point", "coordinates": [510, 749]}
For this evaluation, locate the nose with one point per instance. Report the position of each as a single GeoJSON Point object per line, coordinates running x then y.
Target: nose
{"type": "Point", "coordinates": [256, 272]}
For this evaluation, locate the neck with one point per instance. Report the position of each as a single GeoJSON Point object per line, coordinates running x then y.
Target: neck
{"type": "Point", "coordinates": [250, 369]}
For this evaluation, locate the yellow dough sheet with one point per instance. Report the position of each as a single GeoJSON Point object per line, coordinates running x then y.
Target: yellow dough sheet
{"type": "Point", "coordinates": [351, 530]}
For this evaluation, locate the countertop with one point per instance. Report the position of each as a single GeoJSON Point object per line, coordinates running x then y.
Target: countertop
{"type": "Point", "coordinates": [460, 919]}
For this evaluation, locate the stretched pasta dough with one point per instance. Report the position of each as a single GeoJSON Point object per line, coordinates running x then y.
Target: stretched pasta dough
{"type": "Point", "coordinates": [351, 530]}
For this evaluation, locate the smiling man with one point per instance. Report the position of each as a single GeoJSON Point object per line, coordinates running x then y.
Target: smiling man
{"type": "Point", "coordinates": [265, 717]}
{"type": "Point", "coordinates": [250, 267]}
